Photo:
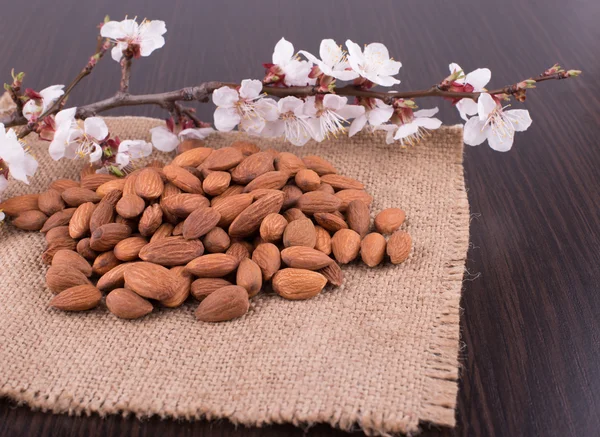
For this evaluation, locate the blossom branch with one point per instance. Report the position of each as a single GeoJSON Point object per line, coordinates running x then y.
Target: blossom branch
{"type": "Point", "coordinates": [125, 73]}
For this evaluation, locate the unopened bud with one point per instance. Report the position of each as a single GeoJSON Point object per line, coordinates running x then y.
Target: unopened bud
{"type": "Point", "coordinates": [116, 171]}
{"type": "Point", "coordinates": [106, 19]}
{"type": "Point", "coordinates": [573, 73]}
{"type": "Point", "coordinates": [410, 104]}
{"type": "Point", "coordinates": [530, 83]}
{"type": "Point", "coordinates": [7, 87]}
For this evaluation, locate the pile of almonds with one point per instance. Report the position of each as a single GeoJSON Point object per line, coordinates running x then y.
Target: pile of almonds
{"type": "Point", "coordinates": [216, 224]}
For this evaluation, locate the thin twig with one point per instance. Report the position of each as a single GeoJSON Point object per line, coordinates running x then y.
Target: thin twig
{"type": "Point", "coordinates": [125, 73]}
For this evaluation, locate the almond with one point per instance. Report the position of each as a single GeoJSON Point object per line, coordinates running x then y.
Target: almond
{"type": "Point", "coordinates": [293, 214]}
{"type": "Point", "coordinates": [232, 190]}
{"type": "Point", "coordinates": [249, 276]}
{"type": "Point", "coordinates": [216, 241]}
{"type": "Point", "coordinates": [347, 196]}
{"type": "Point", "coordinates": [318, 201]}
{"type": "Point", "coordinates": [151, 219]}
{"type": "Point", "coordinates": [262, 192]}
{"type": "Point", "coordinates": [59, 278]}
{"type": "Point", "coordinates": [398, 247]}
{"type": "Point", "coordinates": [183, 179]}
{"type": "Point", "coordinates": [76, 196]}
{"type": "Point", "coordinates": [252, 167]}
{"type": "Point", "coordinates": [372, 249]}
{"type": "Point", "coordinates": [132, 223]}
{"type": "Point", "coordinates": [163, 231]}
{"type": "Point", "coordinates": [267, 257]}
{"type": "Point", "coordinates": [358, 217]}
{"type": "Point", "coordinates": [326, 188]}
{"type": "Point", "coordinates": [273, 180]}
{"type": "Point", "coordinates": [239, 250]}
{"type": "Point", "coordinates": [57, 234]}
{"type": "Point", "coordinates": [84, 249]}
{"type": "Point", "coordinates": [289, 163]}
{"type": "Point", "coordinates": [199, 222]}
{"type": "Point", "coordinates": [88, 169]}
{"type": "Point", "coordinates": [105, 262]}
{"type": "Point", "coordinates": [272, 227]}
{"type": "Point", "coordinates": [319, 165]}
{"type": "Point", "coordinates": [59, 218]}
{"type": "Point", "coordinates": [214, 265]}
{"type": "Point", "coordinates": [334, 274]}
{"type": "Point", "coordinates": [66, 244]}
{"type": "Point", "coordinates": [61, 185]}
{"type": "Point", "coordinates": [345, 245]}
{"type": "Point", "coordinates": [31, 220]}
{"type": "Point", "coordinates": [245, 147]}
{"type": "Point", "coordinates": [130, 206]}
{"type": "Point", "coordinates": [105, 211]}
{"type": "Point", "coordinates": [193, 157]}
{"type": "Point", "coordinates": [107, 187]}
{"type": "Point", "coordinates": [148, 184]}
{"type": "Point", "coordinates": [323, 242]}
{"type": "Point", "coordinates": [216, 183]}
{"type": "Point", "coordinates": [226, 303]}
{"type": "Point", "coordinates": [389, 220]}
{"type": "Point", "coordinates": [340, 182]}
{"type": "Point", "coordinates": [232, 206]}
{"type": "Point", "coordinates": [171, 251]}
{"type": "Point", "coordinates": [182, 205]}
{"type": "Point", "coordinates": [292, 194]}
{"type": "Point", "coordinates": [182, 287]}
{"type": "Point", "coordinates": [298, 284]}
{"type": "Point", "coordinates": [301, 257]}
{"type": "Point", "coordinates": [149, 280]}
{"type": "Point", "coordinates": [273, 152]}
{"type": "Point", "coordinates": [78, 298]}
{"type": "Point", "coordinates": [79, 224]}
{"type": "Point", "coordinates": [129, 248]}
{"type": "Point", "coordinates": [307, 180]}
{"type": "Point", "coordinates": [300, 233]}
{"type": "Point", "coordinates": [107, 236]}
{"type": "Point", "coordinates": [330, 222]}
{"type": "Point", "coordinates": [249, 220]}
{"type": "Point", "coordinates": [170, 190]}
{"type": "Point", "coordinates": [129, 187]}
{"type": "Point", "coordinates": [50, 202]}
{"type": "Point", "coordinates": [115, 278]}
{"type": "Point", "coordinates": [94, 181]}
{"type": "Point", "coordinates": [202, 287]}
{"type": "Point", "coordinates": [126, 304]}
{"type": "Point", "coordinates": [178, 230]}
{"type": "Point", "coordinates": [223, 159]}
{"type": "Point", "coordinates": [16, 205]}
{"type": "Point", "coordinates": [70, 259]}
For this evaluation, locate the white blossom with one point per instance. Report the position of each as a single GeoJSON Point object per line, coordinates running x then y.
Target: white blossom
{"type": "Point", "coordinates": [72, 140]}
{"type": "Point", "coordinates": [166, 141]}
{"type": "Point", "coordinates": [328, 117]}
{"type": "Point", "coordinates": [374, 64]}
{"type": "Point", "coordinates": [378, 114]}
{"type": "Point", "coordinates": [296, 71]}
{"type": "Point", "coordinates": [131, 150]}
{"type": "Point", "coordinates": [333, 61]}
{"type": "Point", "coordinates": [292, 122]}
{"type": "Point", "coordinates": [21, 165]}
{"type": "Point", "coordinates": [412, 130]}
{"type": "Point", "coordinates": [475, 81]}
{"type": "Point", "coordinates": [494, 124]}
{"type": "Point", "coordinates": [248, 107]}
{"type": "Point", "coordinates": [34, 107]}
{"type": "Point", "coordinates": [141, 39]}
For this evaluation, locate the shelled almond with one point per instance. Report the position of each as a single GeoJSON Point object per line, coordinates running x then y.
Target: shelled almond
{"type": "Point", "coordinates": [219, 225]}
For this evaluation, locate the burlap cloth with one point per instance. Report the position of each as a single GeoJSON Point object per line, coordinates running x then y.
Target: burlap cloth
{"type": "Point", "coordinates": [378, 353]}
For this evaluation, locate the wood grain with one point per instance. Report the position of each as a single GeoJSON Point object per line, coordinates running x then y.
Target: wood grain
{"type": "Point", "coordinates": [532, 296]}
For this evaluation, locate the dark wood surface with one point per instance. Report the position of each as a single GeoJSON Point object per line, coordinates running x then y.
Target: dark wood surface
{"type": "Point", "coordinates": [531, 329]}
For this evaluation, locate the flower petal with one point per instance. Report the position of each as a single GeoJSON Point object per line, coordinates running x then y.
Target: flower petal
{"type": "Point", "coordinates": [357, 125]}
{"type": "Point", "coordinates": [380, 115]}
{"type": "Point", "coordinates": [117, 51]}
{"type": "Point", "coordinates": [273, 129]}
{"type": "Point", "coordinates": [355, 56]}
{"type": "Point", "coordinates": [163, 139]}
{"type": "Point", "coordinates": [479, 78]}
{"type": "Point", "coordinates": [330, 52]}
{"type": "Point", "coordinates": [96, 153]}
{"type": "Point", "coordinates": [428, 123]}
{"type": "Point", "coordinates": [520, 119]}
{"type": "Point", "coordinates": [344, 74]}
{"type": "Point", "coordinates": [267, 109]}
{"type": "Point", "coordinates": [113, 30]}
{"type": "Point", "coordinates": [426, 112]}
{"type": "Point", "coordinates": [95, 127]}
{"type": "Point", "coordinates": [226, 119]}
{"type": "Point", "coordinates": [225, 97]}
{"type": "Point", "coordinates": [334, 102]}
{"type": "Point", "coordinates": [289, 104]}
{"type": "Point", "coordinates": [377, 51]}
{"type": "Point", "coordinates": [349, 112]}
{"type": "Point", "coordinates": [485, 105]}
{"type": "Point", "coordinates": [65, 117]}
{"type": "Point", "coordinates": [57, 146]}
{"type": "Point", "coordinates": [196, 133]}
{"type": "Point", "coordinates": [283, 53]}
{"type": "Point", "coordinates": [475, 132]}
{"type": "Point", "coordinates": [466, 107]}
{"type": "Point", "coordinates": [406, 130]}
{"type": "Point", "coordinates": [382, 80]}
{"type": "Point", "coordinates": [30, 109]}
{"type": "Point", "coordinates": [501, 142]}
{"type": "Point", "coordinates": [250, 89]}
{"type": "Point", "coordinates": [50, 94]}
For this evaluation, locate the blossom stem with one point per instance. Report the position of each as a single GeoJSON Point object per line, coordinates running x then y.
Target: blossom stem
{"type": "Point", "coordinates": [125, 73]}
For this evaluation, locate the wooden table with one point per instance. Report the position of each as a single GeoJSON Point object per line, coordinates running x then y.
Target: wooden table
{"type": "Point", "coordinates": [531, 355]}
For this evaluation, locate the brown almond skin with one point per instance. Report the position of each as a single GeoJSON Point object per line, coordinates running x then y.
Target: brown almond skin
{"type": "Point", "coordinates": [107, 187]}
{"type": "Point", "coordinates": [84, 249]}
{"type": "Point", "coordinates": [272, 227]}
{"type": "Point", "coordinates": [200, 222]}
{"type": "Point", "coordinates": [148, 184]}
{"type": "Point", "coordinates": [214, 265]}
{"type": "Point", "coordinates": [79, 226]}
{"type": "Point", "coordinates": [326, 188]}
{"type": "Point", "coordinates": [183, 179]}
{"type": "Point", "coordinates": [130, 206]}
{"type": "Point", "coordinates": [129, 248]}
{"type": "Point", "coordinates": [172, 251]}
{"type": "Point", "coordinates": [298, 284]}
{"type": "Point", "coordinates": [149, 280]}
{"type": "Point", "coordinates": [273, 180]}
{"type": "Point", "coordinates": [307, 180]}
{"type": "Point", "coordinates": [48, 254]}
{"type": "Point", "coordinates": [399, 246]}
{"type": "Point", "coordinates": [318, 201]}
{"type": "Point", "coordinates": [19, 204]}
{"type": "Point", "coordinates": [330, 221]}
{"type": "Point", "coordinates": [339, 182]}
{"type": "Point", "coordinates": [293, 214]}
{"type": "Point", "coordinates": [292, 194]}
{"type": "Point", "coordinates": [245, 147]}
{"type": "Point", "coordinates": [232, 190]}
{"type": "Point", "coordinates": [347, 196]}
{"type": "Point", "coordinates": [249, 220]}
{"type": "Point", "coordinates": [93, 181]}
{"type": "Point", "coordinates": [127, 304]}
{"type": "Point", "coordinates": [372, 249]}
{"type": "Point", "coordinates": [31, 220]}
{"type": "Point", "coordinates": [105, 262]}
{"type": "Point", "coordinates": [59, 278]}
{"type": "Point", "coordinates": [76, 196]}
{"type": "Point", "coordinates": [389, 220]}
{"type": "Point", "coordinates": [300, 233]}
{"type": "Point", "coordinates": [319, 165]}
{"type": "Point", "coordinates": [57, 234]}
{"type": "Point", "coordinates": [151, 219]}
{"type": "Point", "coordinates": [224, 304]}
{"type": "Point", "coordinates": [78, 298]}
{"type": "Point", "coordinates": [323, 242]}
{"type": "Point", "coordinates": [302, 257]}
{"type": "Point", "coordinates": [239, 251]}
{"type": "Point", "coordinates": [182, 205]}
{"type": "Point", "coordinates": [61, 185]}
{"type": "Point", "coordinates": [59, 218]}
{"type": "Point", "coordinates": [107, 236]}
{"type": "Point", "coordinates": [71, 259]}
{"type": "Point", "coordinates": [288, 163]}
{"type": "Point", "coordinates": [216, 183]}
{"type": "Point", "coordinates": [129, 187]}
{"type": "Point", "coordinates": [182, 289]}
{"type": "Point", "coordinates": [115, 278]}
{"type": "Point", "coordinates": [333, 273]}
{"type": "Point", "coordinates": [358, 217]}
{"type": "Point", "coordinates": [50, 202]}
{"type": "Point", "coordinates": [103, 214]}
{"type": "Point", "coordinates": [223, 159]}
{"type": "Point", "coordinates": [178, 230]}
{"type": "Point", "coordinates": [232, 206]}
{"type": "Point", "coordinates": [216, 241]}
{"type": "Point", "coordinates": [252, 167]}
{"type": "Point", "coordinates": [202, 287]}
{"type": "Point", "coordinates": [345, 245]}
{"type": "Point", "coordinates": [249, 276]}
{"type": "Point", "coordinates": [165, 230]}
{"type": "Point", "coordinates": [193, 157]}
{"type": "Point", "coordinates": [267, 257]}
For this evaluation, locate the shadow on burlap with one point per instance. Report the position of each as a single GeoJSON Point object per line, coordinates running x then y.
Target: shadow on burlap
{"type": "Point", "coordinates": [378, 353]}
